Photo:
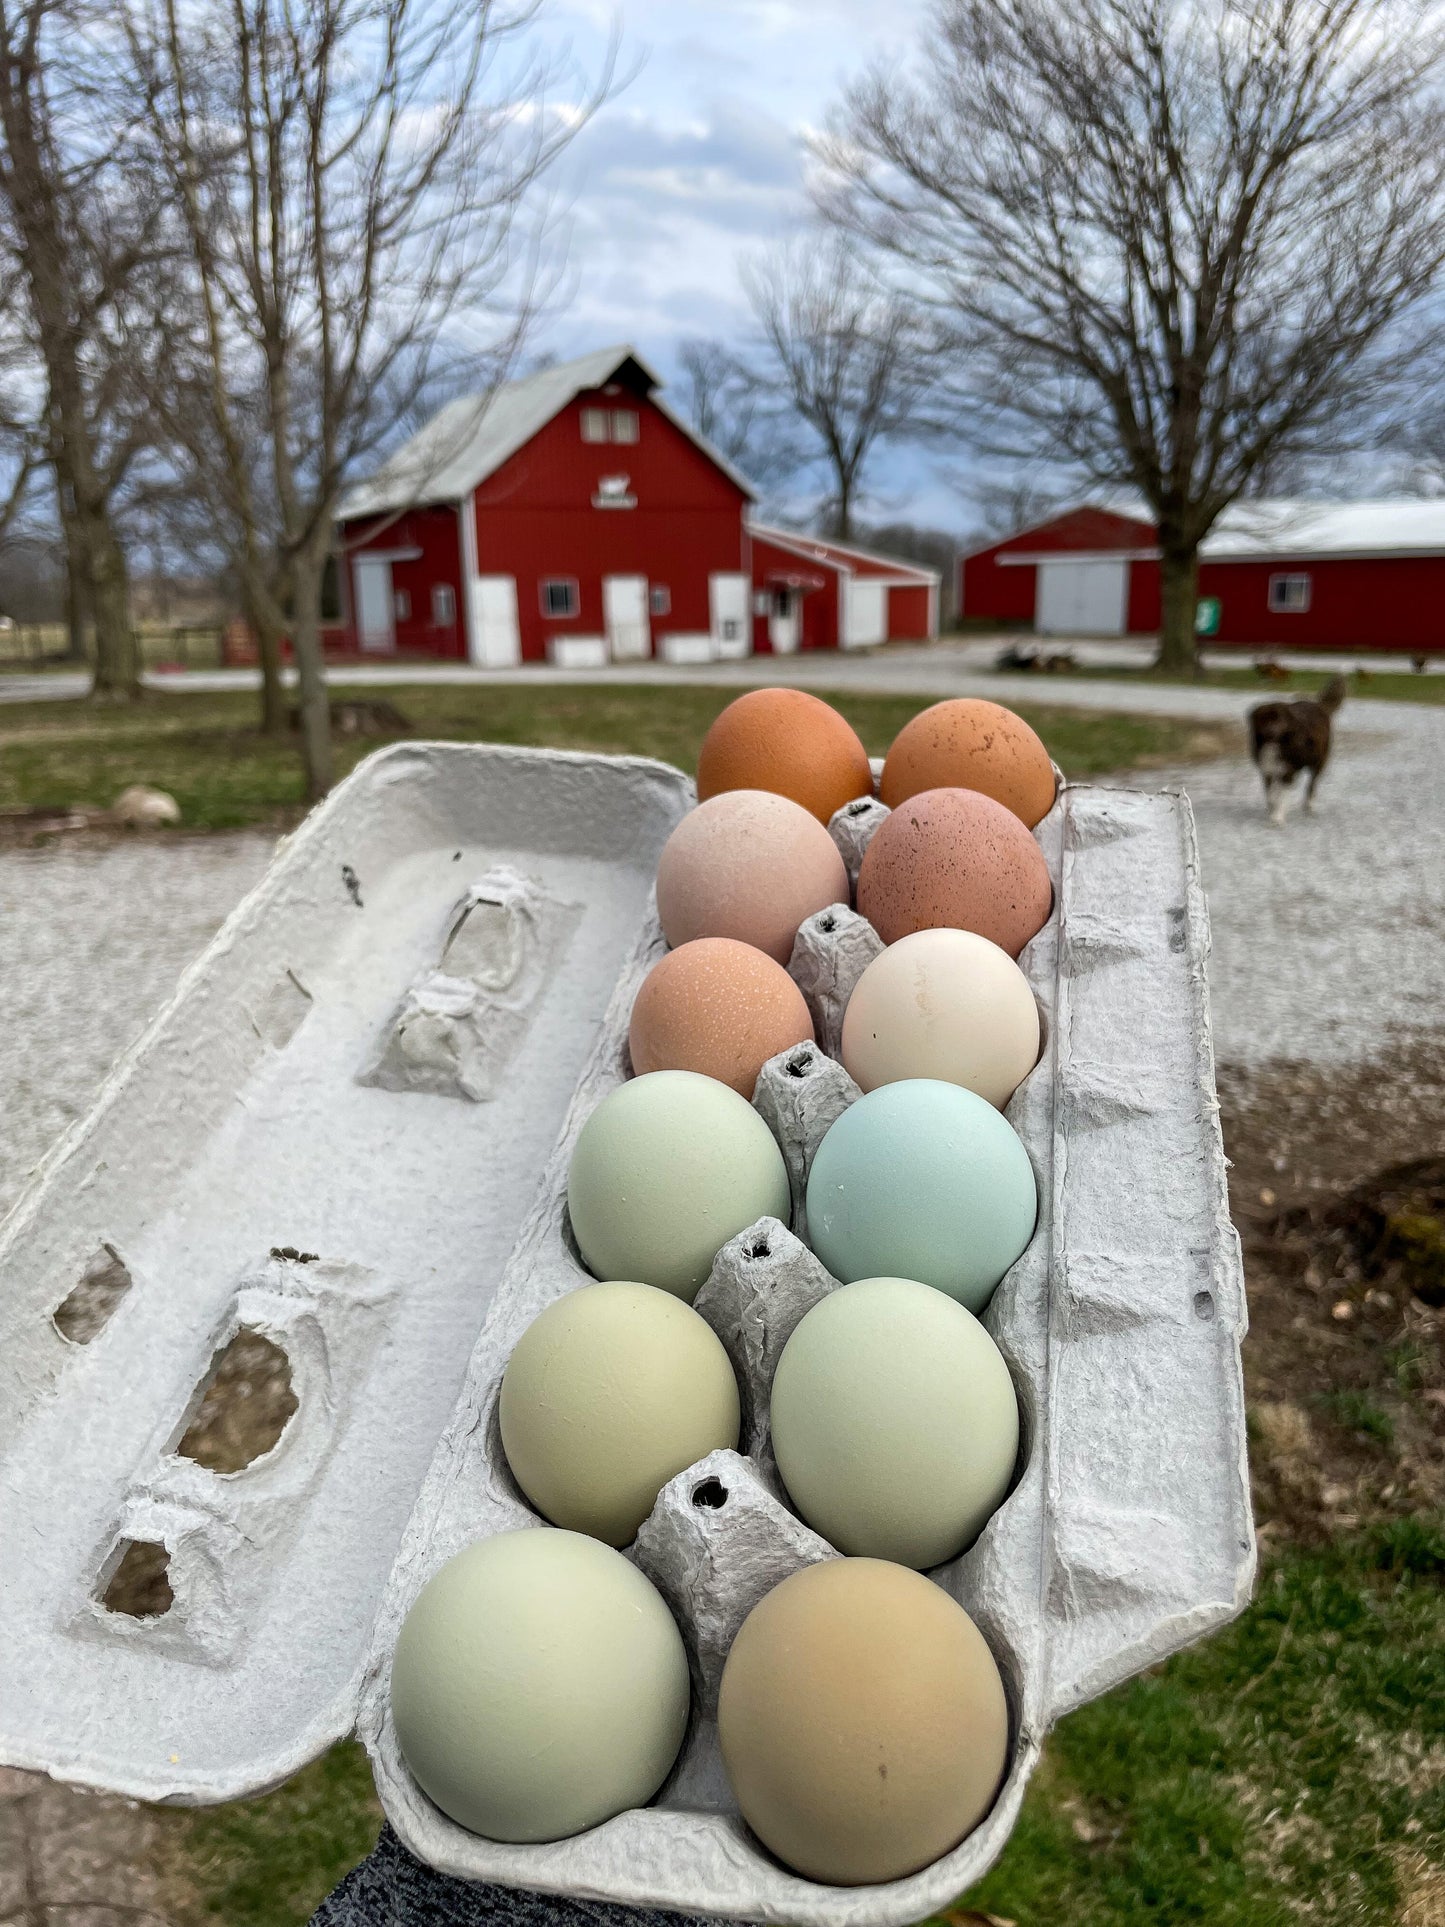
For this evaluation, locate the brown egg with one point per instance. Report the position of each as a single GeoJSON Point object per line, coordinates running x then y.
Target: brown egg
{"type": "Point", "coordinates": [787, 741]}
{"type": "Point", "coordinates": [719, 1007]}
{"type": "Point", "coordinates": [862, 1721]}
{"type": "Point", "coordinates": [954, 859]}
{"type": "Point", "coordinates": [747, 864]}
{"type": "Point", "coordinates": [970, 744]}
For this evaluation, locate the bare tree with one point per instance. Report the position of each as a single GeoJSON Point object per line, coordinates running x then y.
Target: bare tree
{"type": "Point", "coordinates": [731, 407]}
{"type": "Point", "coordinates": [846, 355]}
{"type": "Point", "coordinates": [350, 179]}
{"type": "Point", "coordinates": [81, 230]}
{"type": "Point", "coordinates": [1173, 238]}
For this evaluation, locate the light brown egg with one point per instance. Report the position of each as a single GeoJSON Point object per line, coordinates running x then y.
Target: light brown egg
{"type": "Point", "coordinates": [719, 1007]}
{"type": "Point", "coordinates": [863, 1722]}
{"type": "Point", "coordinates": [967, 743]}
{"type": "Point", "coordinates": [955, 859]}
{"type": "Point", "coordinates": [748, 865]}
{"type": "Point", "coordinates": [787, 741]}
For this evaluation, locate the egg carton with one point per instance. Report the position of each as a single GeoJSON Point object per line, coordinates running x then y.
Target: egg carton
{"type": "Point", "coordinates": [333, 1135]}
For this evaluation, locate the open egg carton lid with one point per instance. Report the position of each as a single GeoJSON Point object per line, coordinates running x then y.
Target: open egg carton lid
{"type": "Point", "coordinates": [350, 1131]}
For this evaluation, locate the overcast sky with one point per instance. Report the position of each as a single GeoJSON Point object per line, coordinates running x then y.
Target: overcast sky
{"type": "Point", "coordinates": [700, 159]}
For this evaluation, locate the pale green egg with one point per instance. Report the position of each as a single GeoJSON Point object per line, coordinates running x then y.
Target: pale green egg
{"type": "Point", "coordinates": [665, 1171]}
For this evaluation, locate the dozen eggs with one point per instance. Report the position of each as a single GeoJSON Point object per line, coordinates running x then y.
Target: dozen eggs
{"type": "Point", "coordinates": [540, 1683]}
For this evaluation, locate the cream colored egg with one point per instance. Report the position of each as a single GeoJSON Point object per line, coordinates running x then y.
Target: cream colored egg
{"type": "Point", "coordinates": [539, 1686]}
{"type": "Point", "coordinates": [947, 1004]}
{"type": "Point", "coordinates": [607, 1395]}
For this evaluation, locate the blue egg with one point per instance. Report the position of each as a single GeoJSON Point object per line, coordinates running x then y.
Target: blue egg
{"type": "Point", "coordinates": [925, 1180]}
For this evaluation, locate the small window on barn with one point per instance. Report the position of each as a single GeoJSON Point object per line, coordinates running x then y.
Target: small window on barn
{"type": "Point", "coordinates": [1289, 594]}
{"type": "Point", "coordinates": [559, 596]}
{"type": "Point", "coordinates": [659, 599]}
{"type": "Point", "coordinates": [624, 425]}
{"type": "Point", "coordinates": [443, 605]}
{"type": "Point", "coordinates": [402, 599]}
{"type": "Point", "coordinates": [594, 424]}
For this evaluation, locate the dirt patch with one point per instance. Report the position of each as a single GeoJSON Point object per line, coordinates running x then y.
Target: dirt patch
{"type": "Point", "coordinates": [1338, 1191]}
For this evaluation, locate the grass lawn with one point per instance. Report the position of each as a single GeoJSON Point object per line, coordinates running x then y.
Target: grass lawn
{"type": "Point", "coordinates": [1390, 685]}
{"type": "Point", "coordinates": [207, 753]}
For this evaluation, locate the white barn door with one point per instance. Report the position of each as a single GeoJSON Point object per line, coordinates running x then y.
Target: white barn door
{"type": "Point", "coordinates": [375, 610]}
{"type": "Point", "coordinates": [1081, 598]}
{"type": "Point", "coordinates": [625, 618]}
{"type": "Point", "coordinates": [499, 636]}
{"type": "Point", "coordinates": [865, 612]}
{"type": "Point", "coordinates": [729, 604]}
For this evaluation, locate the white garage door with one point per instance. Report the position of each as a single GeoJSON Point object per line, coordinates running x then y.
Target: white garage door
{"type": "Point", "coordinates": [865, 612]}
{"type": "Point", "coordinates": [1081, 598]}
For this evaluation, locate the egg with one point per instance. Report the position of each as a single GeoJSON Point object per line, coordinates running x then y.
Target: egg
{"type": "Point", "coordinates": [946, 1004]}
{"type": "Point", "coordinates": [925, 1180]}
{"type": "Point", "coordinates": [787, 741]}
{"type": "Point", "coordinates": [747, 865]}
{"type": "Point", "coordinates": [608, 1394]}
{"type": "Point", "coordinates": [718, 1007]}
{"type": "Point", "coordinates": [862, 1721]}
{"type": "Point", "coordinates": [539, 1686]}
{"type": "Point", "coordinates": [967, 743]}
{"type": "Point", "coordinates": [666, 1169]}
{"type": "Point", "coordinates": [955, 859]}
{"type": "Point", "coordinates": [894, 1422]}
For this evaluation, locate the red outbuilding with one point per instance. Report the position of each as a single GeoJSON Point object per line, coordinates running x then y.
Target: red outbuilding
{"type": "Point", "coordinates": [1311, 575]}
{"type": "Point", "coordinates": [572, 518]}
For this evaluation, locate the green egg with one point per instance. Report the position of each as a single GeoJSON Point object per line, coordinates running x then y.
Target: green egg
{"type": "Point", "coordinates": [665, 1171]}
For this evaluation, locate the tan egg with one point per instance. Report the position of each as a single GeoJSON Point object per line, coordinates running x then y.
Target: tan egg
{"type": "Point", "coordinates": [955, 859]}
{"type": "Point", "coordinates": [787, 741]}
{"type": "Point", "coordinates": [748, 865]}
{"type": "Point", "coordinates": [863, 1722]}
{"type": "Point", "coordinates": [967, 743]}
{"type": "Point", "coordinates": [946, 1004]}
{"type": "Point", "coordinates": [718, 1007]}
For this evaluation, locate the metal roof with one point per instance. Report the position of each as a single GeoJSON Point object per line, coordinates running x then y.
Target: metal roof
{"type": "Point", "coordinates": [471, 437]}
{"type": "Point", "coordinates": [1286, 526]}
{"type": "Point", "coordinates": [840, 556]}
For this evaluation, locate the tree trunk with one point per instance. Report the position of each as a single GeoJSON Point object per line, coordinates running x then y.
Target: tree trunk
{"type": "Point", "coordinates": [315, 704]}
{"type": "Point", "coordinates": [274, 721]}
{"type": "Point", "coordinates": [1178, 595]}
{"type": "Point", "coordinates": [117, 650]}
{"type": "Point", "coordinates": [76, 599]}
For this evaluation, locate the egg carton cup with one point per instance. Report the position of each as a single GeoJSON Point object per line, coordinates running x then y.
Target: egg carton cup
{"type": "Point", "coordinates": [303, 1144]}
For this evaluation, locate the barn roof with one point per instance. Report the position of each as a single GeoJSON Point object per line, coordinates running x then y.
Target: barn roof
{"type": "Point", "coordinates": [1281, 528]}
{"type": "Point", "coordinates": [471, 437]}
{"type": "Point", "coordinates": [843, 556]}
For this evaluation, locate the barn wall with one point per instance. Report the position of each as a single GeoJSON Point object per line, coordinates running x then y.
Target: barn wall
{"type": "Point", "coordinates": [908, 611]}
{"type": "Point", "coordinates": [993, 593]}
{"type": "Point", "coordinates": [821, 607]}
{"type": "Point", "coordinates": [432, 530]}
{"type": "Point", "coordinates": [1005, 593]}
{"type": "Point", "coordinates": [535, 519]}
{"type": "Point", "coordinates": [1379, 603]}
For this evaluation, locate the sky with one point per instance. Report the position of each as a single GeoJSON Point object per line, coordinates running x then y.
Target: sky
{"type": "Point", "coordinates": [697, 161]}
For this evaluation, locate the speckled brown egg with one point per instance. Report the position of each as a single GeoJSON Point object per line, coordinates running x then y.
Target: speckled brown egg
{"type": "Point", "coordinates": [748, 865]}
{"type": "Point", "coordinates": [718, 1007]}
{"type": "Point", "coordinates": [789, 742]}
{"type": "Point", "coordinates": [970, 744]}
{"type": "Point", "coordinates": [953, 859]}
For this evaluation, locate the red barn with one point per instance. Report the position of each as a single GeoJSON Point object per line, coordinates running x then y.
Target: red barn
{"type": "Point", "coordinates": [571, 517]}
{"type": "Point", "coordinates": [1312, 575]}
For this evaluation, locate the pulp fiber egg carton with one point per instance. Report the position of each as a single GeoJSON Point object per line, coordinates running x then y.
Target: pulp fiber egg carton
{"type": "Point", "coordinates": [350, 1132]}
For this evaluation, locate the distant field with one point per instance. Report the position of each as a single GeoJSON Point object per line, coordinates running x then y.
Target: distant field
{"type": "Point", "coordinates": [206, 751]}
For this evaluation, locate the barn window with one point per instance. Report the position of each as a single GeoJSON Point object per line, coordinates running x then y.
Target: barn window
{"type": "Point", "coordinates": [402, 601]}
{"type": "Point", "coordinates": [624, 425]}
{"type": "Point", "coordinates": [443, 605]}
{"type": "Point", "coordinates": [594, 424]}
{"type": "Point", "coordinates": [559, 596]}
{"type": "Point", "coordinates": [659, 599]}
{"type": "Point", "coordinates": [1289, 594]}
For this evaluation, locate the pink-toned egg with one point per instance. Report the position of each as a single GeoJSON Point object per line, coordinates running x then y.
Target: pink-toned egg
{"type": "Point", "coordinates": [955, 859]}
{"type": "Point", "coordinates": [718, 1007]}
{"type": "Point", "coordinates": [749, 865]}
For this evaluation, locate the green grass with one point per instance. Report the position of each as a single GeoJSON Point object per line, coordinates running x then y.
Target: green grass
{"type": "Point", "coordinates": [271, 1862]}
{"type": "Point", "coordinates": [1291, 1767]}
{"type": "Point", "coordinates": [1361, 1412]}
{"type": "Point", "coordinates": [1380, 685]}
{"type": "Point", "coordinates": [224, 774]}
